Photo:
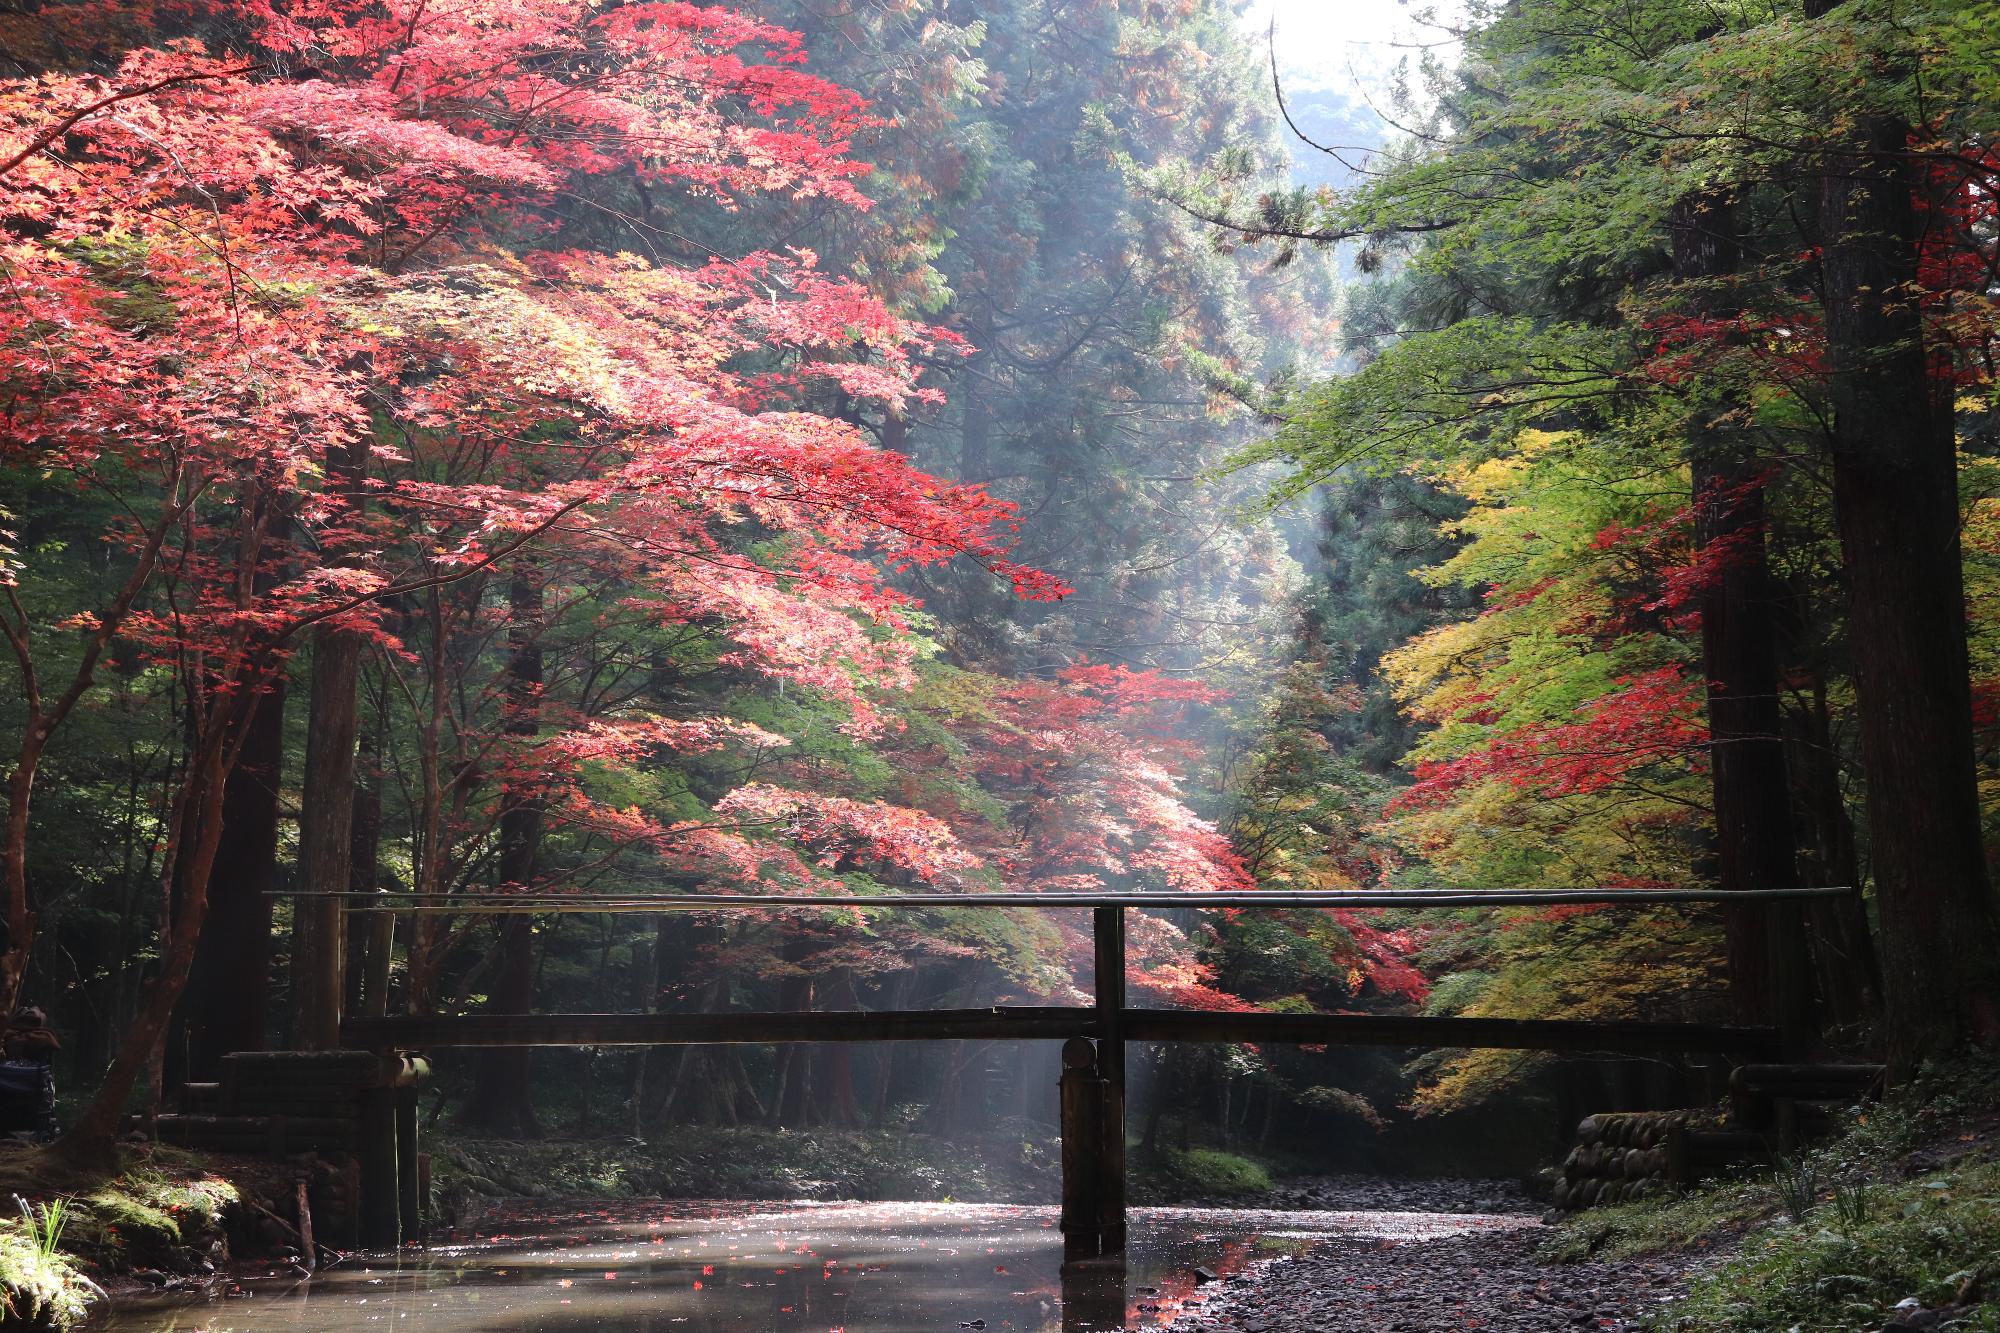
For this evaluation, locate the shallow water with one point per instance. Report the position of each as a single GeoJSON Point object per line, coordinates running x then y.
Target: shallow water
{"type": "Point", "coordinates": [774, 1268]}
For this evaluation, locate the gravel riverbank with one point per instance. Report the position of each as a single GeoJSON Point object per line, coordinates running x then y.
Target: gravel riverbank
{"type": "Point", "coordinates": [1433, 1281]}
{"type": "Point", "coordinates": [1401, 1194]}
{"type": "Point", "coordinates": [1488, 1281]}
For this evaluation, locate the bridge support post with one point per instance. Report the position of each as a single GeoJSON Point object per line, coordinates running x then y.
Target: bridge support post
{"type": "Point", "coordinates": [409, 1165]}
{"type": "Point", "coordinates": [1108, 931]}
{"type": "Point", "coordinates": [1082, 1091]}
{"type": "Point", "coordinates": [1093, 1108]}
{"type": "Point", "coordinates": [381, 1185]}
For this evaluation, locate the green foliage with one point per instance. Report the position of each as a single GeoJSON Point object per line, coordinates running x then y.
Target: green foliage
{"type": "Point", "coordinates": [1904, 1205]}
{"type": "Point", "coordinates": [1707, 1218]}
{"type": "Point", "coordinates": [1854, 1204]}
{"type": "Point", "coordinates": [1930, 1240]}
{"type": "Point", "coordinates": [38, 1288]}
{"type": "Point", "coordinates": [1169, 1173]}
{"type": "Point", "coordinates": [1797, 1185]}
{"type": "Point", "coordinates": [44, 1222]}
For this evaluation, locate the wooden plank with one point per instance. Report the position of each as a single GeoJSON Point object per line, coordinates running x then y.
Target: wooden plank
{"type": "Point", "coordinates": [1108, 980]}
{"type": "Point", "coordinates": [1797, 1078]}
{"type": "Point", "coordinates": [1414, 1031]}
{"type": "Point", "coordinates": [486, 1030]}
{"type": "Point", "coordinates": [1039, 1024]}
{"type": "Point", "coordinates": [1363, 899]}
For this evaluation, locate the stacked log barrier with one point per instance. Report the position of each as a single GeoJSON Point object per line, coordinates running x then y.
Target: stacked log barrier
{"type": "Point", "coordinates": [1773, 1109]}
{"type": "Point", "coordinates": [1618, 1158]}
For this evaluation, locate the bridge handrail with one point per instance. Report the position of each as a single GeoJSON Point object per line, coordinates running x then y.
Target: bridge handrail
{"type": "Point", "coordinates": [489, 903]}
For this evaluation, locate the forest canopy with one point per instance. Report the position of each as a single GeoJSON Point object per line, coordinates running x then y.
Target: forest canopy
{"type": "Point", "coordinates": [554, 448]}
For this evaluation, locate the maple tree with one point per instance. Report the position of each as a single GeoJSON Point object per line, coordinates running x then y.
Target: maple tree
{"type": "Point", "coordinates": [287, 324]}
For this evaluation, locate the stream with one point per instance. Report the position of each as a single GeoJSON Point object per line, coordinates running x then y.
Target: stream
{"type": "Point", "coordinates": [692, 1267]}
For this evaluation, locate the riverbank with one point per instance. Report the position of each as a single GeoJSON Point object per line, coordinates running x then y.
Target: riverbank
{"type": "Point", "coordinates": [1892, 1227]}
{"type": "Point", "coordinates": [1496, 1282]}
{"type": "Point", "coordinates": [164, 1220]}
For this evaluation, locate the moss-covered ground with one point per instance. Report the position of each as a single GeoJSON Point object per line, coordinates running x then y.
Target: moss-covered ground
{"type": "Point", "coordinates": [61, 1228]}
{"type": "Point", "coordinates": [1897, 1218]}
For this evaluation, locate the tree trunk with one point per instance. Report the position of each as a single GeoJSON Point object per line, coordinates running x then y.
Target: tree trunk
{"type": "Point", "coordinates": [326, 812]}
{"type": "Point", "coordinates": [1895, 485]}
{"type": "Point", "coordinates": [224, 1006]}
{"type": "Point", "coordinates": [194, 833]}
{"type": "Point", "coordinates": [429, 932]}
{"type": "Point", "coordinates": [835, 1103]}
{"type": "Point", "coordinates": [326, 848]}
{"type": "Point", "coordinates": [503, 1097]}
{"type": "Point", "coordinates": [648, 997]}
{"type": "Point", "coordinates": [1843, 951]}
{"type": "Point", "coordinates": [371, 938]}
{"type": "Point", "coordinates": [1769, 976]}
{"type": "Point", "coordinates": [793, 1085]}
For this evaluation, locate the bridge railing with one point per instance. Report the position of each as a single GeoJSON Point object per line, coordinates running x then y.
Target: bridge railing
{"type": "Point", "coordinates": [1093, 1082]}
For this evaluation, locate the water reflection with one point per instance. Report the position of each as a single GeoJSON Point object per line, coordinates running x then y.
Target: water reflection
{"type": "Point", "coordinates": [757, 1268]}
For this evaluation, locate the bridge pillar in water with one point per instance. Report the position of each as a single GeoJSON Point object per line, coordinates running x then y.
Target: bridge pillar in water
{"type": "Point", "coordinates": [1086, 1196]}
{"type": "Point", "coordinates": [1093, 1108]}
{"type": "Point", "coordinates": [1108, 931]}
{"type": "Point", "coordinates": [381, 1188]}
{"type": "Point", "coordinates": [409, 1165]}
{"type": "Point", "coordinates": [391, 1156]}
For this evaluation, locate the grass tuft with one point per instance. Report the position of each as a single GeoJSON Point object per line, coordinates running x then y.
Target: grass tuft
{"type": "Point", "coordinates": [39, 1286]}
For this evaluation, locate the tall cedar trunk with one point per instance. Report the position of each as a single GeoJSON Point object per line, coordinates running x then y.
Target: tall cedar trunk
{"type": "Point", "coordinates": [177, 891]}
{"type": "Point", "coordinates": [326, 815]}
{"type": "Point", "coordinates": [326, 849]}
{"type": "Point", "coordinates": [224, 1006]}
{"type": "Point", "coordinates": [429, 932]}
{"type": "Point", "coordinates": [1769, 976]}
{"type": "Point", "coordinates": [371, 935]}
{"type": "Point", "coordinates": [1895, 485]}
{"type": "Point", "coordinates": [503, 1099]}
{"type": "Point", "coordinates": [1843, 951]}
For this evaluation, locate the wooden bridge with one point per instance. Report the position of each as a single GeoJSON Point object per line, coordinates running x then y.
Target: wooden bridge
{"type": "Point", "coordinates": [1092, 1086]}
